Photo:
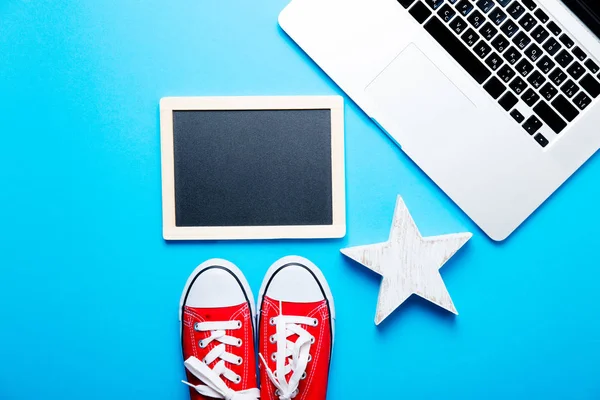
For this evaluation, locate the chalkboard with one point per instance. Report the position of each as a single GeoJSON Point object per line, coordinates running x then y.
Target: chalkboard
{"type": "Point", "coordinates": [252, 167]}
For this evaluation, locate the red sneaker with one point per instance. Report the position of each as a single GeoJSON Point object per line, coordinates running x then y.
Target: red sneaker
{"type": "Point", "coordinates": [217, 333]}
{"type": "Point", "coordinates": [295, 331]}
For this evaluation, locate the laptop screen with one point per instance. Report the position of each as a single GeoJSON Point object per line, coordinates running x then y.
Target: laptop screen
{"type": "Point", "coordinates": [588, 12]}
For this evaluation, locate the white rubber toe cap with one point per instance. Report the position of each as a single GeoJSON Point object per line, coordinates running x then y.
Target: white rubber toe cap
{"type": "Point", "coordinates": [215, 285]}
{"type": "Point", "coordinates": [294, 283]}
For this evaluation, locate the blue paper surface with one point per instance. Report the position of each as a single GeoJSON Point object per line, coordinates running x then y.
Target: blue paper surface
{"type": "Point", "coordinates": [89, 291]}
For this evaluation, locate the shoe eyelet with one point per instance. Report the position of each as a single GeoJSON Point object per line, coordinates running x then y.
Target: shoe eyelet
{"type": "Point", "coordinates": [204, 361]}
{"type": "Point", "coordinates": [277, 392]}
{"type": "Point", "coordinates": [239, 324]}
{"type": "Point", "coordinates": [315, 322]}
{"type": "Point", "coordinates": [239, 343]}
{"type": "Point", "coordinates": [312, 340]}
{"type": "Point", "coordinates": [295, 393]}
{"type": "Point", "coordinates": [238, 379]}
{"type": "Point", "coordinates": [309, 358]}
{"type": "Point", "coordinates": [272, 339]}
{"type": "Point", "coordinates": [201, 344]}
{"type": "Point", "coordinates": [272, 321]}
{"type": "Point", "coordinates": [240, 360]}
{"type": "Point", "coordinates": [274, 356]}
{"type": "Point", "coordinates": [197, 326]}
{"type": "Point", "coordinates": [303, 375]}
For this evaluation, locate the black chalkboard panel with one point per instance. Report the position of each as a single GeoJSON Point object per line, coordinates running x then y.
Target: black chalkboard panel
{"type": "Point", "coordinates": [252, 167]}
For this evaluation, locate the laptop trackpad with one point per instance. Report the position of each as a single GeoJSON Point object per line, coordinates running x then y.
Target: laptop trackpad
{"type": "Point", "coordinates": [415, 97]}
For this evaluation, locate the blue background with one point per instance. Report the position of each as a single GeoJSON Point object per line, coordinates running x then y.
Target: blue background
{"type": "Point", "coordinates": [89, 290]}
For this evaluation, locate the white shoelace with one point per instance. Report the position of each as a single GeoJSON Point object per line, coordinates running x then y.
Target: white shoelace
{"type": "Point", "coordinates": [214, 386]}
{"type": "Point", "coordinates": [298, 352]}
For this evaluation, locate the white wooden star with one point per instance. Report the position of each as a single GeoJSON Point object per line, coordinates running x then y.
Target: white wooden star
{"type": "Point", "coordinates": [409, 263]}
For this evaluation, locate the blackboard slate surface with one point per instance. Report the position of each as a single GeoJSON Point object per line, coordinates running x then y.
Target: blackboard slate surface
{"type": "Point", "coordinates": [252, 167]}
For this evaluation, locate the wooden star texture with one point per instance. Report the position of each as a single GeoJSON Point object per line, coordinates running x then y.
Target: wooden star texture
{"type": "Point", "coordinates": [408, 263]}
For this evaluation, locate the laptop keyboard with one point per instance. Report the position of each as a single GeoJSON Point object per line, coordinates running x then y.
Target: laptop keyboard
{"type": "Point", "coordinates": [524, 60]}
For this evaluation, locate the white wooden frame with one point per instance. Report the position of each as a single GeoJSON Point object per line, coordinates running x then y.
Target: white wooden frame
{"type": "Point", "coordinates": [173, 232]}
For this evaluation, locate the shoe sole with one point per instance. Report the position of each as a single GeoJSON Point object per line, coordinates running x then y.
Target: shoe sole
{"type": "Point", "coordinates": [316, 273]}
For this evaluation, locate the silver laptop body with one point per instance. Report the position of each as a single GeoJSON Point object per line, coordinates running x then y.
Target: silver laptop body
{"type": "Point", "coordinates": [498, 101]}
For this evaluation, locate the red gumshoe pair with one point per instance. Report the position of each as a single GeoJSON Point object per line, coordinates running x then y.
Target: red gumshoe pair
{"type": "Point", "coordinates": [293, 332]}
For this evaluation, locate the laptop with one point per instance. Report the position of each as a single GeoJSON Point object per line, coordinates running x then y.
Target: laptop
{"type": "Point", "coordinates": [497, 101]}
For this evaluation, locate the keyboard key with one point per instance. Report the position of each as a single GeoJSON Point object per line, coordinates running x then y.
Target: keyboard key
{"type": "Point", "coordinates": [532, 125]}
{"type": "Point", "coordinates": [512, 55]}
{"type": "Point", "coordinates": [515, 10]}
{"type": "Point", "coordinates": [558, 77]}
{"type": "Point", "coordinates": [554, 28]}
{"type": "Point", "coordinates": [457, 50]}
{"type": "Point", "coordinates": [509, 28]}
{"type": "Point", "coordinates": [485, 5]}
{"type": "Point", "coordinates": [576, 70]}
{"type": "Point", "coordinates": [524, 67]}
{"type": "Point", "coordinates": [579, 53]}
{"type": "Point", "coordinates": [476, 19]}
{"type": "Point", "coordinates": [464, 7]}
{"type": "Point", "coordinates": [536, 79]}
{"type": "Point", "coordinates": [500, 43]}
{"type": "Point", "coordinates": [506, 73]}
{"type": "Point", "coordinates": [533, 52]}
{"type": "Point", "coordinates": [592, 66]}
{"type": "Point", "coordinates": [541, 140]}
{"type": "Point", "coordinates": [590, 85]}
{"type": "Point", "coordinates": [564, 58]}
{"type": "Point", "coordinates": [494, 87]}
{"type": "Point", "coordinates": [470, 37]}
{"type": "Point", "coordinates": [551, 46]}
{"type": "Point", "coordinates": [539, 34]}
{"type": "Point", "coordinates": [528, 22]}
{"type": "Point", "coordinates": [542, 16]}
{"type": "Point", "coordinates": [504, 3]}
{"type": "Point", "coordinates": [508, 101]}
{"type": "Point", "coordinates": [446, 13]}
{"type": "Point", "coordinates": [565, 108]}
{"type": "Point", "coordinates": [529, 4]}
{"type": "Point", "coordinates": [569, 88]}
{"type": "Point", "coordinates": [494, 61]}
{"type": "Point", "coordinates": [517, 116]}
{"type": "Point", "coordinates": [406, 3]}
{"type": "Point", "coordinates": [530, 97]}
{"type": "Point", "coordinates": [521, 40]}
{"type": "Point", "coordinates": [488, 31]}
{"type": "Point", "coordinates": [458, 25]}
{"type": "Point", "coordinates": [546, 64]}
{"type": "Point", "coordinates": [420, 12]}
{"type": "Point", "coordinates": [482, 49]}
{"type": "Point", "coordinates": [518, 85]}
{"type": "Point", "coordinates": [548, 91]}
{"type": "Point", "coordinates": [497, 16]}
{"type": "Point", "coordinates": [434, 3]}
{"type": "Point", "coordinates": [550, 117]}
{"type": "Point", "coordinates": [566, 41]}
{"type": "Point", "coordinates": [582, 101]}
